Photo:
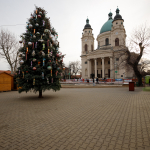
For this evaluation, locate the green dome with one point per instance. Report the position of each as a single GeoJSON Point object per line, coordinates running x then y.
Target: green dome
{"type": "Point", "coordinates": [107, 26]}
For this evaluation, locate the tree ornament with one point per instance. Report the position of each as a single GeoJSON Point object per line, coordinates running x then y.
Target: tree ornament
{"type": "Point", "coordinates": [26, 71]}
{"type": "Point", "coordinates": [36, 11]}
{"type": "Point", "coordinates": [21, 62]}
{"type": "Point", "coordinates": [46, 30]}
{"type": "Point", "coordinates": [56, 73]}
{"type": "Point", "coordinates": [43, 61]}
{"type": "Point", "coordinates": [33, 45]}
{"type": "Point", "coordinates": [42, 75]}
{"type": "Point", "coordinates": [39, 16]}
{"type": "Point", "coordinates": [30, 43]}
{"type": "Point", "coordinates": [34, 68]}
{"type": "Point", "coordinates": [51, 72]}
{"type": "Point", "coordinates": [43, 23]}
{"type": "Point", "coordinates": [34, 60]}
{"type": "Point", "coordinates": [30, 26]}
{"type": "Point", "coordinates": [47, 43]}
{"type": "Point", "coordinates": [26, 55]}
{"type": "Point", "coordinates": [36, 45]}
{"type": "Point", "coordinates": [31, 63]}
{"type": "Point", "coordinates": [52, 80]}
{"type": "Point", "coordinates": [39, 63]}
{"type": "Point", "coordinates": [48, 51]}
{"type": "Point", "coordinates": [43, 46]}
{"type": "Point", "coordinates": [40, 53]}
{"type": "Point", "coordinates": [38, 33]}
{"type": "Point", "coordinates": [36, 24]}
{"type": "Point", "coordinates": [47, 81]}
{"type": "Point", "coordinates": [43, 54]}
{"type": "Point", "coordinates": [40, 13]}
{"type": "Point", "coordinates": [49, 67]}
{"type": "Point", "coordinates": [57, 55]}
{"type": "Point", "coordinates": [20, 41]}
{"type": "Point", "coordinates": [23, 73]}
{"type": "Point", "coordinates": [34, 36]}
{"type": "Point", "coordinates": [34, 31]}
{"type": "Point", "coordinates": [33, 81]}
{"type": "Point", "coordinates": [33, 53]}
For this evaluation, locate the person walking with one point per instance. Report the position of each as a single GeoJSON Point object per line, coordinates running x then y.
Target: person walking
{"type": "Point", "coordinates": [97, 80]}
{"type": "Point", "coordinates": [93, 82]}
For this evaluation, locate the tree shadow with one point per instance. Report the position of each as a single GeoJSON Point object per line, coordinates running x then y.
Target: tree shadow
{"type": "Point", "coordinates": [35, 98]}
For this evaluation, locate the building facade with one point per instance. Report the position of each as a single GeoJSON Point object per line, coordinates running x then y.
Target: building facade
{"type": "Point", "coordinates": [103, 62]}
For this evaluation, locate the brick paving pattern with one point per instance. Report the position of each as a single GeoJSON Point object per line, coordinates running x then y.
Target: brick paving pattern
{"type": "Point", "coordinates": [76, 119]}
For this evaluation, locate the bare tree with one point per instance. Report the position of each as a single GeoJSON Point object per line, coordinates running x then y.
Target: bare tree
{"type": "Point", "coordinates": [139, 44]}
{"type": "Point", "coordinates": [9, 49]}
{"type": "Point", "coordinates": [75, 67]}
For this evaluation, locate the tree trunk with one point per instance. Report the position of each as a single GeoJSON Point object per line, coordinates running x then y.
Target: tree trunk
{"type": "Point", "coordinates": [138, 75]}
{"type": "Point", "coordinates": [40, 94]}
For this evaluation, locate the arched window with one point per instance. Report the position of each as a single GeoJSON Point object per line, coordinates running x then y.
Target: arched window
{"type": "Point", "coordinates": [86, 47]}
{"type": "Point", "coordinates": [107, 41]}
{"type": "Point", "coordinates": [91, 47]}
{"type": "Point", "coordinates": [116, 42]}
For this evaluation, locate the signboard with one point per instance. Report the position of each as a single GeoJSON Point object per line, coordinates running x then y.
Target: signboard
{"type": "Point", "coordinates": [116, 71]}
{"type": "Point", "coordinates": [118, 79]}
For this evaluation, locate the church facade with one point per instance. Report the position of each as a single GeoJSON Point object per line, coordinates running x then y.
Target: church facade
{"type": "Point", "coordinates": [103, 62]}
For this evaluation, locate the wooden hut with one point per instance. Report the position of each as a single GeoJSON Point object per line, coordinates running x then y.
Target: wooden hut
{"type": "Point", "coordinates": [6, 81]}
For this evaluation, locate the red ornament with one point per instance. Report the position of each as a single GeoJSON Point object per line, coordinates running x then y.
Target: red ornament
{"type": "Point", "coordinates": [26, 71]}
{"type": "Point", "coordinates": [34, 68]}
{"type": "Point", "coordinates": [39, 16]}
{"type": "Point", "coordinates": [57, 55]}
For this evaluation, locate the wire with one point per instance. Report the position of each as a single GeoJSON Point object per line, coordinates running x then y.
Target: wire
{"type": "Point", "coordinates": [12, 25]}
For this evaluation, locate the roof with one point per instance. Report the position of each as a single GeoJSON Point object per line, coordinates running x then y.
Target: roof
{"type": "Point", "coordinates": [7, 72]}
{"type": "Point", "coordinates": [87, 26]}
{"type": "Point", "coordinates": [107, 26]}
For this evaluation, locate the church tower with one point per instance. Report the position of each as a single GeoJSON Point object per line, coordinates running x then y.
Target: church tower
{"type": "Point", "coordinates": [87, 39]}
{"type": "Point", "coordinates": [118, 31]}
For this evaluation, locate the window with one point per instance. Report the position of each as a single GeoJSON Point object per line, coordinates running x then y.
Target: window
{"type": "Point", "coordinates": [117, 59]}
{"type": "Point", "coordinates": [85, 62]}
{"type": "Point", "coordinates": [86, 47]}
{"type": "Point", "coordinates": [97, 62]}
{"type": "Point", "coordinates": [107, 41]}
{"type": "Point", "coordinates": [121, 75]}
{"type": "Point", "coordinates": [91, 47]}
{"type": "Point", "coordinates": [108, 62]}
{"type": "Point", "coordinates": [116, 42]}
{"type": "Point", "coordinates": [116, 22]}
{"type": "Point", "coordinates": [89, 31]}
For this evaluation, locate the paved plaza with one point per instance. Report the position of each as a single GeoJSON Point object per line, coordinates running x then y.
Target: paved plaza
{"type": "Point", "coordinates": [76, 119]}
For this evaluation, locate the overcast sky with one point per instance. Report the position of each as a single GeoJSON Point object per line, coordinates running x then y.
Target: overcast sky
{"type": "Point", "coordinates": [68, 17]}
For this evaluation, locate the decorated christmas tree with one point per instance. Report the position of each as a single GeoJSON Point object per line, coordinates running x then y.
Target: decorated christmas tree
{"type": "Point", "coordinates": [41, 62]}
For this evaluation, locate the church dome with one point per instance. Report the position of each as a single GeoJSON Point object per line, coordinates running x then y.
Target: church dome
{"type": "Point", "coordinates": [107, 26]}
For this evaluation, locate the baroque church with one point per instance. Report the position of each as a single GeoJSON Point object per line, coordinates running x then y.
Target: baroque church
{"type": "Point", "coordinates": [103, 61]}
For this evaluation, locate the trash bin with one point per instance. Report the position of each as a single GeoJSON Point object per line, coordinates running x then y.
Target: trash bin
{"type": "Point", "coordinates": [131, 86]}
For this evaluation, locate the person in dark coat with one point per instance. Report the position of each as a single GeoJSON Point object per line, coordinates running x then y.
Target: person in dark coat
{"type": "Point", "coordinates": [97, 80]}
{"type": "Point", "coordinates": [93, 82]}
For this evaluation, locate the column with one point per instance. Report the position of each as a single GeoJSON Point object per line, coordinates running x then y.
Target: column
{"type": "Point", "coordinates": [95, 67]}
{"type": "Point", "coordinates": [89, 68]}
{"type": "Point", "coordinates": [111, 76]}
{"type": "Point", "coordinates": [103, 75]}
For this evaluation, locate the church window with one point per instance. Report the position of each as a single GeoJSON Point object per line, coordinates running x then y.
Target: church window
{"type": "Point", "coordinates": [85, 62]}
{"type": "Point", "coordinates": [108, 62]}
{"type": "Point", "coordinates": [116, 22]}
{"type": "Point", "coordinates": [116, 42]}
{"type": "Point", "coordinates": [86, 47]}
{"type": "Point", "coordinates": [91, 47]}
{"type": "Point", "coordinates": [107, 41]}
{"type": "Point", "coordinates": [117, 59]}
{"type": "Point", "coordinates": [89, 31]}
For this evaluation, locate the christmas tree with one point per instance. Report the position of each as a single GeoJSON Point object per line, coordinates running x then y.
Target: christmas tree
{"type": "Point", "coordinates": [41, 62]}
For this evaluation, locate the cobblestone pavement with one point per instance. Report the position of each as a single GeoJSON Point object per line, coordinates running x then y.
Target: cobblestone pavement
{"type": "Point", "coordinates": [76, 119]}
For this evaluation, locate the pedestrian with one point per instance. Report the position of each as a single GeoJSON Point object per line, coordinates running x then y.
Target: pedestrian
{"type": "Point", "coordinates": [93, 82]}
{"type": "Point", "coordinates": [97, 80]}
